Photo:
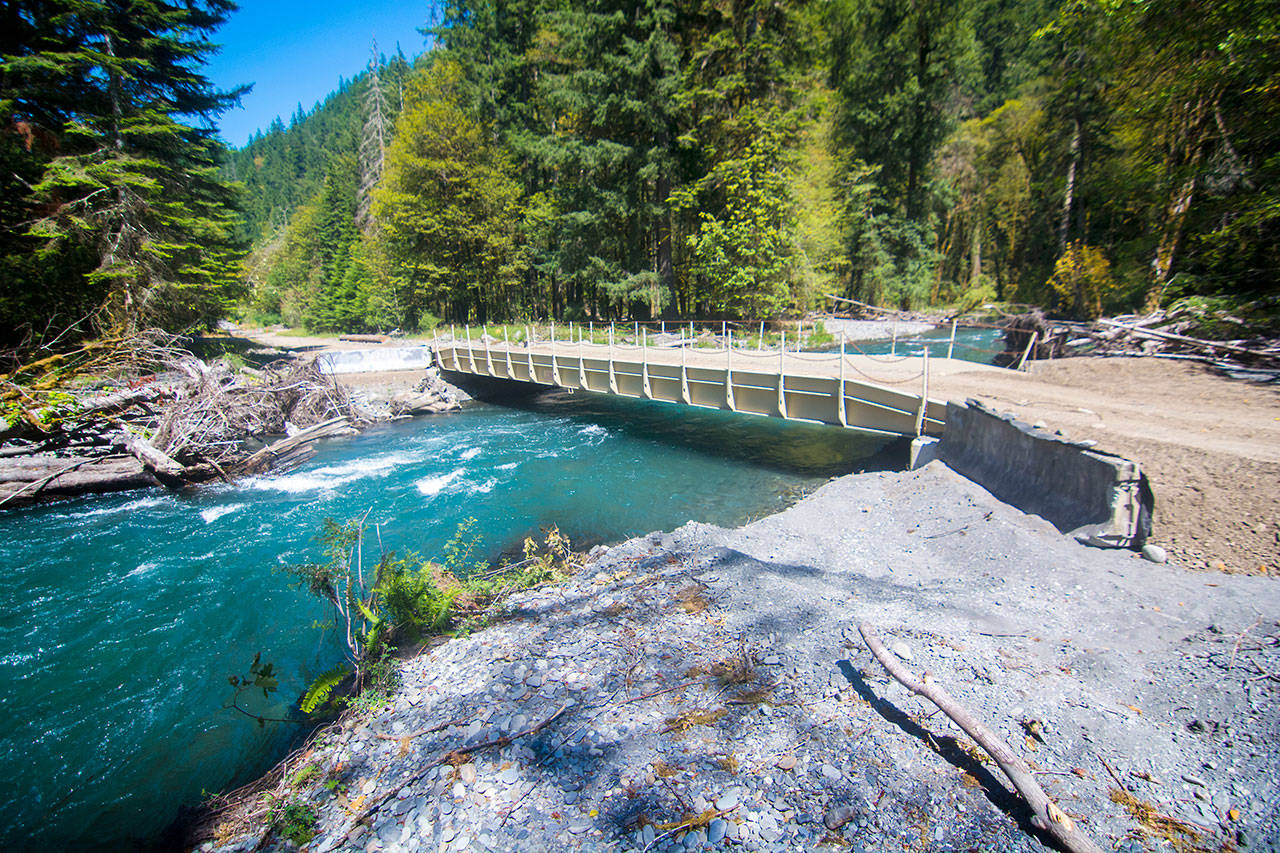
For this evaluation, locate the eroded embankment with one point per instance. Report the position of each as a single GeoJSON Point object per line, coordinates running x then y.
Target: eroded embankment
{"type": "Point", "coordinates": [714, 677]}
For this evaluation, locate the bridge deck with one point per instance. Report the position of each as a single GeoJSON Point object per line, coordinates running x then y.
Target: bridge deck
{"type": "Point", "coordinates": [884, 394]}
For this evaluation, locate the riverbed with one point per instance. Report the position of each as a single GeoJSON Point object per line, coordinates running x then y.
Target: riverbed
{"type": "Point", "coordinates": [125, 615]}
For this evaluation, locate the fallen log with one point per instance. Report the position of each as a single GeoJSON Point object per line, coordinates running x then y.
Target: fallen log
{"type": "Point", "coordinates": [28, 479]}
{"type": "Point", "coordinates": [364, 339]}
{"type": "Point", "coordinates": [165, 468]}
{"type": "Point", "coordinates": [292, 451]}
{"type": "Point", "coordinates": [1045, 813]}
{"type": "Point", "coordinates": [1189, 341]}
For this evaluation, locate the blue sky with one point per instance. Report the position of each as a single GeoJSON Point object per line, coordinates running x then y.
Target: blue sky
{"type": "Point", "coordinates": [294, 52]}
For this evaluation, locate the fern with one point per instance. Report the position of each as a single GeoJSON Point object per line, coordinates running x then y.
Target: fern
{"type": "Point", "coordinates": [318, 693]}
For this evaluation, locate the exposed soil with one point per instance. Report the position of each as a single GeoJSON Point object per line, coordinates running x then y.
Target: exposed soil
{"type": "Point", "coordinates": [1209, 444]}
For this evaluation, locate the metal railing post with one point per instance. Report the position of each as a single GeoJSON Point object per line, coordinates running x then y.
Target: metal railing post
{"type": "Point", "coordinates": [894, 349]}
{"type": "Point", "coordinates": [613, 377]}
{"type": "Point", "coordinates": [924, 394]}
{"type": "Point", "coordinates": [644, 364]}
{"type": "Point", "coordinates": [951, 346]}
{"type": "Point", "coordinates": [506, 344]}
{"type": "Point", "coordinates": [782, 376]}
{"type": "Point", "coordinates": [728, 375]}
{"type": "Point", "coordinates": [684, 371]}
{"type": "Point", "coordinates": [840, 409]}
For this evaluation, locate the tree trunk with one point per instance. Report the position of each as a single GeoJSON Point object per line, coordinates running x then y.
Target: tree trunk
{"type": "Point", "coordinates": [1170, 238]}
{"type": "Point", "coordinates": [1068, 194]}
{"type": "Point", "coordinates": [975, 255]}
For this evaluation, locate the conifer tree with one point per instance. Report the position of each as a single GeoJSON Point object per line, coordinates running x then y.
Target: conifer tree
{"type": "Point", "coordinates": [137, 177]}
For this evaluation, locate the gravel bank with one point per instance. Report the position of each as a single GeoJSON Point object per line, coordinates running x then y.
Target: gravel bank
{"type": "Point", "coordinates": [1166, 675]}
{"type": "Point", "coordinates": [875, 330]}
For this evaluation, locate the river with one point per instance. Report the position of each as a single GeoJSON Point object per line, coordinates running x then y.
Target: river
{"type": "Point", "coordinates": [123, 616]}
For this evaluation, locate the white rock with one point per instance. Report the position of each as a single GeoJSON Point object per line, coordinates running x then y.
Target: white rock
{"type": "Point", "coordinates": [1155, 553]}
{"type": "Point", "coordinates": [900, 649]}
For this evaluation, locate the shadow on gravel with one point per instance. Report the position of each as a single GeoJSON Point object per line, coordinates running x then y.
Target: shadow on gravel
{"type": "Point", "coordinates": [949, 748]}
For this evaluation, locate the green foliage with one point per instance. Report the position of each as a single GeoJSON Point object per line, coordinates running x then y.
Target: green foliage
{"type": "Point", "coordinates": [819, 336]}
{"type": "Point", "coordinates": [563, 159]}
{"type": "Point", "coordinates": [411, 598]}
{"type": "Point", "coordinates": [1081, 280]}
{"type": "Point", "coordinates": [293, 819]}
{"type": "Point", "coordinates": [449, 206]}
{"type": "Point", "coordinates": [129, 169]}
{"type": "Point", "coordinates": [318, 692]}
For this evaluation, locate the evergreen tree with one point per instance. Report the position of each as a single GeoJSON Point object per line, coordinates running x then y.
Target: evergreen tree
{"type": "Point", "coordinates": [132, 180]}
{"type": "Point", "coordinates": [898, 69]}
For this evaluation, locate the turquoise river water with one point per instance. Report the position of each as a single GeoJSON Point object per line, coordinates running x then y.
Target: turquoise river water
{"type": "Point", "coordinates": [122, 616]}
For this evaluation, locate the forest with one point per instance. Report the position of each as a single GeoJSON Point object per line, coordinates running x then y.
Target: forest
{"type": "Point", "coordinates": [610, 159]}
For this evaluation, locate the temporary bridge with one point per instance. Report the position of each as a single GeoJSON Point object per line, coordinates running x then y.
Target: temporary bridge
{"type": "Point", "coordinates": [873, 393]}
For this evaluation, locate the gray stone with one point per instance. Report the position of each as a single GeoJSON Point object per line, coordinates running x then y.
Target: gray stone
{"type": "Point", "coordinates": [831, 773]}
{"type": "Point", "coordinates": [728, 800]}
{"type": "Point", "coordinates": [1155, 553]}
{"type": "Point", "coordinates": [467, 773]}
{"type": "Point", "coordinates": [509, 776]}
{"type": "Point", "coordinates": [716, 830]}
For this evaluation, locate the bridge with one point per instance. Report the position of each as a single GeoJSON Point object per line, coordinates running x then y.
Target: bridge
{"type": "Point", "coordinates": [879, 394]}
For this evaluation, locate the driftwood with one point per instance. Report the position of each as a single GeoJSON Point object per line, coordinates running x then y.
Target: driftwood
{"type": "Point", "coordinates": [1195, 343]}
{"type": "Point", "coordinates": [365, 339]}
{"type": "Point", "coordinates": [29, 479]}
{"type": "Point", "coordinates": [1045, 813]}
{"type": "Point", "coordinates": [292, 451]}
{"type": "Point", "coordinates": [163, 417]}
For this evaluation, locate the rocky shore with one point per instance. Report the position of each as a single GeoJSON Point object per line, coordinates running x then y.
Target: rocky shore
{"type": "Point", "coordinates": [707, 689]}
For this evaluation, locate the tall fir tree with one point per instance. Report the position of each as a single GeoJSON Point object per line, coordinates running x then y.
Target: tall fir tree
{"type": "Point", "coordinates": [136, 179]}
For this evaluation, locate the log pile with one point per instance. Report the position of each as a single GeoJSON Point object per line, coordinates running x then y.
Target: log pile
{"type": "Point", "coordinates": [144, 411]}
{"type": "Point", "coordinates": [1159, 334]}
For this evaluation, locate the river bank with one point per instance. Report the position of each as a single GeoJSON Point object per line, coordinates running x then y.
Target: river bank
{"type": "Point", "coordinates": [711, 676]}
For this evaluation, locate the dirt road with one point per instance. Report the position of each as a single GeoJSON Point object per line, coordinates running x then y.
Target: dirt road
{"type": "Point", "coordinates": [1210, 445]}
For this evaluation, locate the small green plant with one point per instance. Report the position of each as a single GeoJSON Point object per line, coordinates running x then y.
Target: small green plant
{"type": "Point", "coordinates": [819, 337]}
{"type": "Point", "coordinates": [294, 820]}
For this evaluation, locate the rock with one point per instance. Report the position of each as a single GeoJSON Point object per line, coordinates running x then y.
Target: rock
{"type": "Point", "coordinates": [838, 817]}
{"type": "Point", "coordinates": [467, 773]}
{"type": "Point", "coordinates": [509, 776]}
{"type": "Point", "coordinates": [1155, 553]}
{"type": "Point", "coordinates": [420, 403]}
{"type": "Point", "coordinates": [830, 773]}
{"type": "Point", "coordinates": [716, 830]}
{"type": "Point", "coordinates": [728, 800]}
{"type": "Point", "coordinates": [787, 762]}
{"type": "Point", "coordinates": [900, 649]}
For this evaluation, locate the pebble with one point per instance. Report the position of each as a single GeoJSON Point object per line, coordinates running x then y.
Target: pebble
{"type": "Point", "coordinates": [1155, 553]}
{"type": "Point", "coordinates": [728, 800]}
{"type": "Point", "coordinates": [565, 787]}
